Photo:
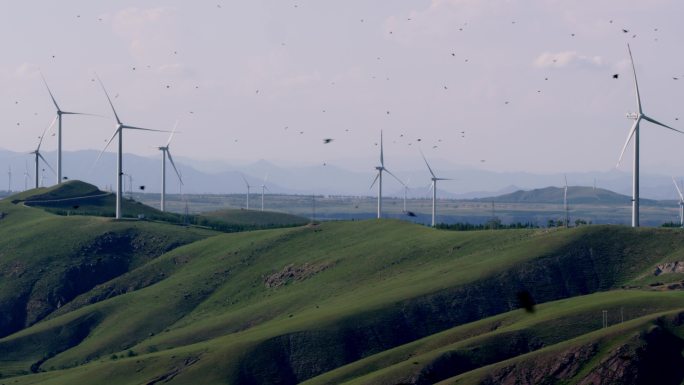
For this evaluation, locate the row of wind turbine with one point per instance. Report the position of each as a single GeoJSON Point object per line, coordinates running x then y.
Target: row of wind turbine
{"type": "Point", "coordinates": [378, 178]}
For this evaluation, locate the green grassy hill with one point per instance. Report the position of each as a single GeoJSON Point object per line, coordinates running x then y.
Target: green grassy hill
{"type": "Point", "coordinates": [46, 260]}
{"type": "Point", "coordinates": [372, 302]}
{"type": "Point", "coordinates": [80, 198]}
{"type": "Point", "coordinates": [252, 218]}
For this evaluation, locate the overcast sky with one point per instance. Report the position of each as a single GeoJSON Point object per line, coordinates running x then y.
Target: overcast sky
{"type": "Point", "coordinates": [529, 82]}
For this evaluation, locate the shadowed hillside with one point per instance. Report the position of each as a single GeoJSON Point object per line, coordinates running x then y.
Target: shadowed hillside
{"type": "Point", "coordinates": [359, 302]}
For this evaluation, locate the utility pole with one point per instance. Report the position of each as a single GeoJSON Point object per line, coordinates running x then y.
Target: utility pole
{"type": "Point", "coordinates": [313, 211]}
{"type": "Point", "coordinates": [9, 182]}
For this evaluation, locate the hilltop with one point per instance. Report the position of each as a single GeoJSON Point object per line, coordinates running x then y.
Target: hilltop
{"type": "Point", "coordinates": [75, 197]}
{"type": "Point", "coordinates": [367, 302]}
{"type": "Point", "coordinates": [576, 195]}
{"type": "Point", "coordinates": [79, 198]}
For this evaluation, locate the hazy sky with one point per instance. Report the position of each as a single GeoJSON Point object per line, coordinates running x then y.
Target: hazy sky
{"type": "Point", "coordinates": [529, 82]}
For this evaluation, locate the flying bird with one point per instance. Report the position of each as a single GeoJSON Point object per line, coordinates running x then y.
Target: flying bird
{"type": "Point", "coordinates": [327, 140]}
{"type": "Point", "coordinates": [615, 76]}
{"type": "Point", "coordinates": [526, 301]}
{"type": "Point", "coordinates": [142, 188]}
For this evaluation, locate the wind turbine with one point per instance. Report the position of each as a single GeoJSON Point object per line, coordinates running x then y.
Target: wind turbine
{"type": "Point", "coordinates": [167, 154]}
{"type": "Point", "coordinates": [263, 189]}
{"type": "Point", "coordinates": [634, 132]}
{"type": "Point", "coordinates": [59, 128]}
{"type": "Point", "coordinates": [681, 203]}
{"type": "Point", "coordinates": [406, 188]}
{"type": "Point", "coordinates": [378, 177]}
{"type": "Point", "coordinates": [565, 202]}
{"type": "Point", "coordinates": [119, 161]}
{"type": "Point", "coordinates": [39, 156]}
{"type": "Point", "coordinates": [433, 186]}
{"type": "Point", "coordinates": [248, 187]}
{"type": "Point", "coordinates": [26, 175]}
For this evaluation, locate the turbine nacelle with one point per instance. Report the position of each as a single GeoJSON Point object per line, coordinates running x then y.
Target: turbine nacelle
{"type": "Point", "coordinates": [632, 115]}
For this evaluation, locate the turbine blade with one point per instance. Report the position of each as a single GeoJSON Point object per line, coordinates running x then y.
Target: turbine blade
{"type": "Point", "coordinates": [174, 166]}
{"type": "Point", "coordinates": [374, 180]}
{"type": "Point", "coordinates": [46, 162]}
{"type": "Point", "coordinates": [443, 178]}
{"type": "Point", "coordinates": [173, 132]}
{"type": "Point", "coordinates": [427, 164]}
{"type": "Point", "coordinates": [382, 159]}
{"type": "Point", "coordinates": [395, 177]}
{"type": "Point", "coordinates": [105, 148]}
{"type": "Point", "coordinates": [629, 138]}
{"type": "Point", "coordinates": [636, 84]}
{"type": "Point", "coordinates": [82, 113]}
{"type": "Point", "coordinates": [140, 128]}
{"type": "Point", "coordinates": [648, 118]}
{"type": "Point", "coordinates": [40, 142]}
{"type": "Point", "coordinates": [679, 191]}
{"type": "Point", "coordinates": [245, 179]}
{"type": "Point", "coordinates": [49, 92]}
{"type": "Point", "coordinates": [432, 184]}
{"type": "Point", "coordinates": [108, 99]}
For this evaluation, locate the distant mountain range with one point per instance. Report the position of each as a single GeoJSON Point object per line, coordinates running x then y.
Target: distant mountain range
{"type": "Point", "coordinates": [198, 178]}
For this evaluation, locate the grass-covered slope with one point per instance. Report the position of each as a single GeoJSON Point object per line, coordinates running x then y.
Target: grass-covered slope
{"type": "Point", "coordinates": [46, 260]}
{"type": "Point", "coordinates": [249, 219]}
{"type": "Point", "coordinates": [359, 302]}
{"type": "Point", "coordinates": [80, 198]}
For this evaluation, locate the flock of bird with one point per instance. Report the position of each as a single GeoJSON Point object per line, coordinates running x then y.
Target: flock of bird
{"type": "Point", "coordinates": [416, 142]}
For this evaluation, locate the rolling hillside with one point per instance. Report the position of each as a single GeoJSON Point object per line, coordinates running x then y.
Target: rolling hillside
{"type": "Point", "coordinates": [371, 302]}
{"type": "Point", "coordinates": [80, 198]}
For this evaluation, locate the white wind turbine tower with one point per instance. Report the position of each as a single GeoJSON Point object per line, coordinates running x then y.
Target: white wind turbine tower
{"type": "Point", "coordinates": [433, 186]}
{"type": "Point", "coordinates": [263, 191]}
{"type": "Point", "coordinates": [634, 132]}
{"type": "Point", "coordinates": [39, 156]}
{"type": "Point", "coordinates": [248, 187]}
{"type": "Point", "coordinates": [59, 129]}
{"type": "Point", "coordinates": [9, 177]}
{"type": "Point", "coordinates": [565, 202]}
{"type": "Point", "coordinates": [378, 178]}
{"type": "Point", "coordinates": [119, 162]}
{"type": "Point", "coordinates": [166, 153]}
{"type": "Point", "coordinates": [26, 176]}
{"type": "Point", "coordinates": [406, 188]}
{"type": "Point", "coordinates": [681, 203]}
